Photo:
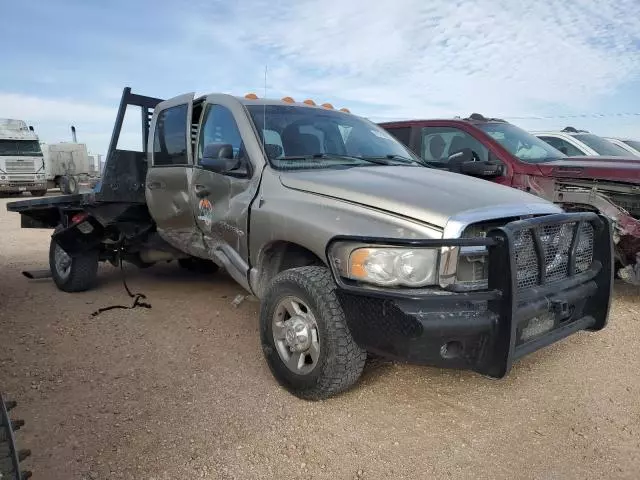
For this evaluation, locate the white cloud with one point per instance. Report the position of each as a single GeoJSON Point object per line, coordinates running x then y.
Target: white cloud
{"type": "Point", "coordinates": [417, 58]}
{"type": "Point", "coordinates": [382, 59]}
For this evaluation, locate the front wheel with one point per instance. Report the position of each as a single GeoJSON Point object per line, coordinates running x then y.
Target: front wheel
{"type": "Point", "coordinates": [38, 193]}
{"type": "Point", "coordinates": [72, 274]}
{"type": "Point", "coordinates": [305, 337]}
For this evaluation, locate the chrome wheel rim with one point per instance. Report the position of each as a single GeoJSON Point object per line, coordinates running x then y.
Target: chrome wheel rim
{"type": "Point", "coordinates": [62, 262]}
{"type": "Point", "coordinates": [295, 334]}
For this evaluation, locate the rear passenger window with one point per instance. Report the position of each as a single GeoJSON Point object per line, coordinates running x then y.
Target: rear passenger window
{"type": "Point", "coordinates": [170, 138]}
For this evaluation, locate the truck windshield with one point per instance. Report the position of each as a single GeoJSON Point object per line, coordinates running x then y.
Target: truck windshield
{"type": "Point", "coordinates": [304, 137]}
{"type": "Point", "coordinates": [520, 143]}
{"type": "Point", "coordinates": [21, 148]}
{"type": "Point", "coordinates": [602, 146]}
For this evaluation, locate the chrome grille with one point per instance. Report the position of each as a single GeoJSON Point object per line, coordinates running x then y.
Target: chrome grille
{"type": "Point", "coordinates": [21, 178]}
{"type": "Point", "coordinates": [18, 166]}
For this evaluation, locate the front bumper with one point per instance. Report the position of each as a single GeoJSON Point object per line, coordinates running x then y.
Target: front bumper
{"type": "Point", "coordinates": [22, 186]}
{"type": "Point", "coordinates": [485, 331]}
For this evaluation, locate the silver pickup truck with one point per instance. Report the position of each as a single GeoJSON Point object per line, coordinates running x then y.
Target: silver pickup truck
{"type": "Point", "coordinates": [350, 242]}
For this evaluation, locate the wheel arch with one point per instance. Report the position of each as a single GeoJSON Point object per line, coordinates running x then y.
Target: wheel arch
{"type": "Point", "coordinates": [278, 256]}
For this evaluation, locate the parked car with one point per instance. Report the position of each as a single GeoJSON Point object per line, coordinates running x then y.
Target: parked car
{"type": "Point", "coordinates": [507, 154]}
{"type": "Point", "coordinates": [632, 146]}
{"type": "Point", "coordinates": [578, 143]}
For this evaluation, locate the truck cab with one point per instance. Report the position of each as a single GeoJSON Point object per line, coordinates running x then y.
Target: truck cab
{"type": "Point", "coordinates": [350, 244]}
{"type": "Point", "coordinates": [21, 160]}
{"type": "Point", "coordinates": [498, 151]}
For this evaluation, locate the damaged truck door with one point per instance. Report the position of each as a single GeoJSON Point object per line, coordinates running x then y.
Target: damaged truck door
{"type": "Point", "coordinates": [170, 168]}
{"type": "Point", "coordinates": [223, 183]}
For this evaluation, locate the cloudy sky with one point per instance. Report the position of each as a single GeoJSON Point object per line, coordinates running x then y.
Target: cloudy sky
{"type": "Point", "coordinates": [65, 62]}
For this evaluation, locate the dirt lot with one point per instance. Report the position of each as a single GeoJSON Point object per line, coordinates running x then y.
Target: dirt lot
{"type": "Point", "coordinates": [182, 391]}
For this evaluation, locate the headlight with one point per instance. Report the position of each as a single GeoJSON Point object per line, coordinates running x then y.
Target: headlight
{"type": "Point", "coordinates": [386, 266]}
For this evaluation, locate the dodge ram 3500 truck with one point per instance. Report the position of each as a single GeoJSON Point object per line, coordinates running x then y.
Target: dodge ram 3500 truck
{"type": "Point", "coordinates": [351, 244]}
{"type": "Point", "coordinates": [508, 155]}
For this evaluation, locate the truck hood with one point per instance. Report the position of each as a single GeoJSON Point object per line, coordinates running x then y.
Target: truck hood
{"type": "Point", "coordinates": [602, 158]}
{"type": "Point", "coordinates": [621, 170]}
{"type": "Point", "coordinates": [425, 194]}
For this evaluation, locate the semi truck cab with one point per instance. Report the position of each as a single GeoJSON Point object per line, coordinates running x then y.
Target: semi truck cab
{"type": "Point", "coordinates": [21, 160]}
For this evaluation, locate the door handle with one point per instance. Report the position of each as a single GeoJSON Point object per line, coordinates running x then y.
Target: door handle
{"type": "Point", "coordinates": [155, 185]}
{"type": "Point", "coordinates": [201, 190]}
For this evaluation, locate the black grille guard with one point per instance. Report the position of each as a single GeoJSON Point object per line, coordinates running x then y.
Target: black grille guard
{"type": "Point", "coordinates": [509, 304]}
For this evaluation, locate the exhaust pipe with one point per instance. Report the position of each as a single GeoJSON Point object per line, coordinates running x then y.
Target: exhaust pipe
{"type": "Point", "coordinates": [37, 274]}
{"type": "Point", "coordinates": [73, 134]}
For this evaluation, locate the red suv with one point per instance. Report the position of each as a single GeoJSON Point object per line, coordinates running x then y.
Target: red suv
{"type": "Point", "coordinates": [504, 153]}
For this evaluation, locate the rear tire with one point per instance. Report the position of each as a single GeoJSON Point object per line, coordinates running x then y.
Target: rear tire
{"type": "Point", "coordinates": [69, 185]}
{"type": "Point", "coordinates": [332, 362]}
{"type": "Point", "coordinates": [73, 274]}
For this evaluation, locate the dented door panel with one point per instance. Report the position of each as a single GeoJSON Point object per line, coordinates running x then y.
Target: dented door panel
{"type": "Point", "coordinates": [170, 167]}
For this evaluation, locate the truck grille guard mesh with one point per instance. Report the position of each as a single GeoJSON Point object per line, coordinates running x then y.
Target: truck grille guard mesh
{"type": "Point", "coordinates": [548, 254]}
{"type": "Point", "coordinates": [548, 246]}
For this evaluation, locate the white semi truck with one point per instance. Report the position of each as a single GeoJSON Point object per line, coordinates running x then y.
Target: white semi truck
{"type": "Point", "coordinates": [21, 160]}
{"type": "Point", "coordinates": [68, 165]}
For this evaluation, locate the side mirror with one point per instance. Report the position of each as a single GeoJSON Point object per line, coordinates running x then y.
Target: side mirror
{"type": "Point", "coordinates": [218, 157]}
{"type": "Point", "coordinates": [467, 162]}
{"type": "Point", "coordinates": [273, 150]}
{"type": "Point", "coordinates": [481, 169]}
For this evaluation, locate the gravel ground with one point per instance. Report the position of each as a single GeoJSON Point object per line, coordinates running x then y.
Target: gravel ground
{"type": "Point", "coordinates": [182, 391]}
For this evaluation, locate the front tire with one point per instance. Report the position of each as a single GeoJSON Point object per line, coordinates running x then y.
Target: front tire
{"type": "Point", "coordinates": [38, 193]}
{"type": "Point", "coordinates": [72, 274]}
{"type": "Point", "coordinates": [305, 338]}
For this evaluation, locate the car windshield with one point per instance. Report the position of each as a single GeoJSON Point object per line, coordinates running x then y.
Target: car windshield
{"type": "Point", "coordinates": [520, 143]}
{"type": "Point", "coordinates": [298, 137]}
{"type": "Point", "coordinates": [20, 148]}
{"type": "Point", "coordinates": [601, 146]}
{"type": "Point", "coordinates": [633, 144]}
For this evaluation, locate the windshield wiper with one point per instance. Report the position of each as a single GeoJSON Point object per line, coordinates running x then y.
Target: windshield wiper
{"type": "Point", "coordinates": [389, 159]}
{"type": "Point", "coordinates": [384, 159]}
{"type": "Point", "coordinates": [321, 156]}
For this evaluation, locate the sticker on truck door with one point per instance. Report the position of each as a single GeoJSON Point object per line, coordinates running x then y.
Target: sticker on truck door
{"type": "Point", "coordinates": [205, 212]}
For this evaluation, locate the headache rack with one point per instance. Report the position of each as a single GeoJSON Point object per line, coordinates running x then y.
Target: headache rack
{"type": "Point", "coordinates": [125, 171]}
{"type": "Point", "coordinates": [122, 185]}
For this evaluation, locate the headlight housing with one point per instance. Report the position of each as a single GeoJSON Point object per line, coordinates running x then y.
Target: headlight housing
{"type": "Point", "coordinates": [386, 265]}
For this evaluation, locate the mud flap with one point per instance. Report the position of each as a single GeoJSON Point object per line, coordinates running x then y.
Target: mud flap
{"type": "Point", "coordinates": [80, 237]}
